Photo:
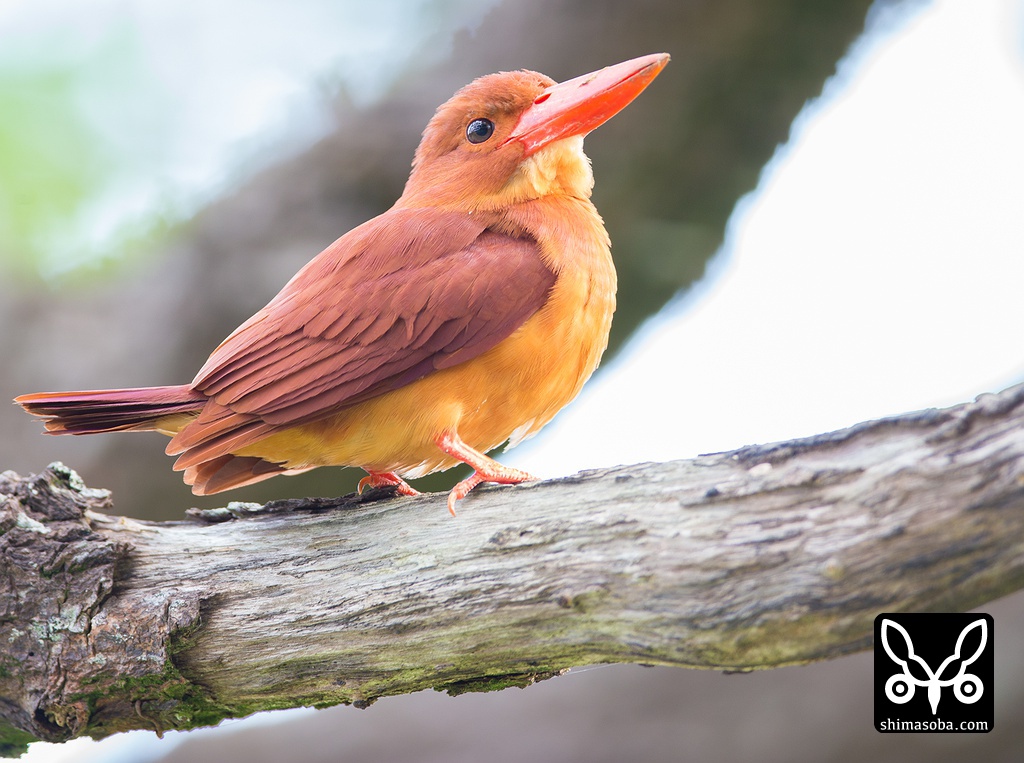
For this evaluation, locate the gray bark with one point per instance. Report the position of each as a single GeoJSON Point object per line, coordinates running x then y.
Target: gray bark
{"type": "Point", "coordinates": [765, 556]}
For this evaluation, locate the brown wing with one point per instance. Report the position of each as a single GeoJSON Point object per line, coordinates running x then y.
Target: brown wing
{"type": "Point", "coordinates": [409, 292]}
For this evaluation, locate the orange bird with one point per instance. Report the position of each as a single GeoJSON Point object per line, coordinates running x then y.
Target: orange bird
{"type": "Point", "coordinates": [465, 316]}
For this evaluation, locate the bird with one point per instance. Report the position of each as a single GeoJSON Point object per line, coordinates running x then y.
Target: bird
{"type": "Point", "coordinates": [463, 318]}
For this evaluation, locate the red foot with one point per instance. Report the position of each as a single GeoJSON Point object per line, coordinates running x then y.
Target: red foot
{"type": "Point", "coordinates": [486, 469]}
{"type": "Point", "coordinates": [386, 479]}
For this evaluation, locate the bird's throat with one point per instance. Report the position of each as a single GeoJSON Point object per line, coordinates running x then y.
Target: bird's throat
{"type": "Point", "coordinates": [558, 169]}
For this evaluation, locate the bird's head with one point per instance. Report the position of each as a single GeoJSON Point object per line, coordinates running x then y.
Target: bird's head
{"type": "Point", "coordinates": [515, 136]}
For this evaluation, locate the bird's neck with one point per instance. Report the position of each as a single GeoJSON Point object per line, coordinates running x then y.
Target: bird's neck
{"type": "Point", "coordinates": [569, 229]}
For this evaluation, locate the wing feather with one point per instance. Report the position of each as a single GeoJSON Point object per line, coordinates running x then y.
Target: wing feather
{"type": "Point", "coordinates": [410, 292]}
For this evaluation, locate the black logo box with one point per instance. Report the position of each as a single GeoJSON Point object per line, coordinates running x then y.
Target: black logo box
{"type": "Point", "coordinates": [934, 672]}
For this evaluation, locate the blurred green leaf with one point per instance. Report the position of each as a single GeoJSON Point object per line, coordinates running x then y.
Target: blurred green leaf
{"type": "Point", "coordinates": [51, 161]}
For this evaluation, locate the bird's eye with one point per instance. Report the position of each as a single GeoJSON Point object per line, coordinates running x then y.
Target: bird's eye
{"type": "Point", "coordinates": [479, 130]}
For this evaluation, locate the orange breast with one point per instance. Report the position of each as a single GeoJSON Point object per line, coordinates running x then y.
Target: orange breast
{"type": "Point", "coordinates": [510, 391]}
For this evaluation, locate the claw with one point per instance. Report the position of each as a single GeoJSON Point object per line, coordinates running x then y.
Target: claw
{"type": "Point", "coordinates": [386, 479]}
{"type": "Point", "coordinates": [462, 490]}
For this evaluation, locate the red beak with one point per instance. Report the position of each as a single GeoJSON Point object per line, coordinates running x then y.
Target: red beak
{"type": "Point", "coordinates": [580, 105]}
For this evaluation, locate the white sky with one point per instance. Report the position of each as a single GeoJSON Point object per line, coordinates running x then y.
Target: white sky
{"type": "Point", "coordinates": [878, 268]}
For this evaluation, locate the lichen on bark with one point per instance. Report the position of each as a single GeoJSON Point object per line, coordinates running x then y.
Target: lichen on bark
{"type": "Point", "coordinates": [69, 659]}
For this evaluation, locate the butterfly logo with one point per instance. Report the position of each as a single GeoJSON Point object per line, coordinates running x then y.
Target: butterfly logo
{"type": "Point", "coordinates": [915, 672]}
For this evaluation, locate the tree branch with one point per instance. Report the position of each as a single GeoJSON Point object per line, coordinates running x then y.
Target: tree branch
{"type": "Point", "coordinates": [765, 556]}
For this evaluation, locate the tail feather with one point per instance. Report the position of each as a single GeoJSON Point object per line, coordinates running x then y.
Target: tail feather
{"type": "Point", "coordinates": [228, 472]}
{"type": "Point", "coordinates": [112, 410]}
{"type": "Point", "coordinates": [208, 468]}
